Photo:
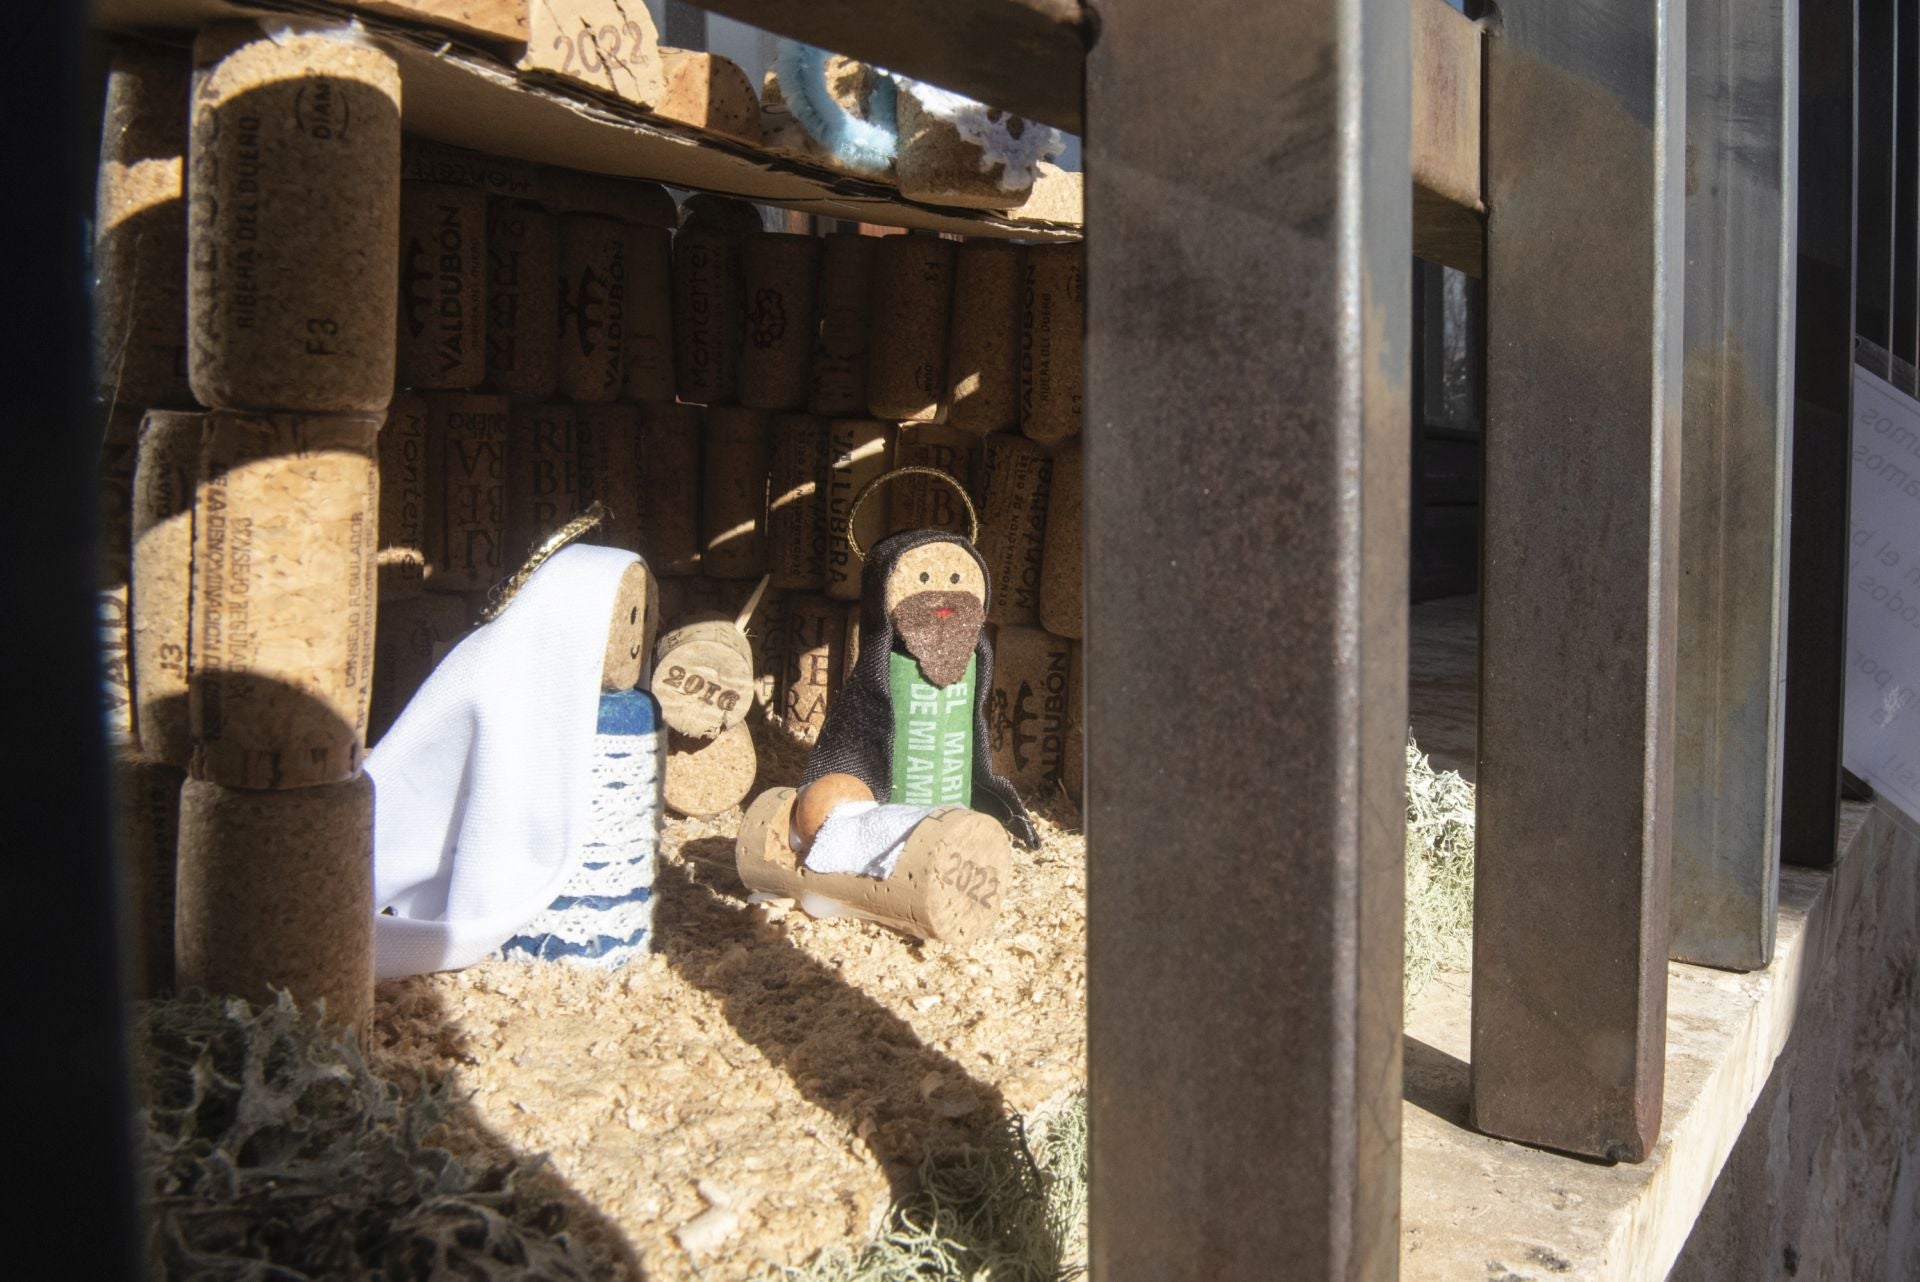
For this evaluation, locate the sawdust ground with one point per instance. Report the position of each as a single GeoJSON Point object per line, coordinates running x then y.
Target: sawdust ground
{"type": "Point", "coordinates": [763, 1086]}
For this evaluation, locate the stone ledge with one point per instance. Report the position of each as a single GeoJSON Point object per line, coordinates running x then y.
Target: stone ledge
{"type": "Point", "coordinates": [1481, 1208]}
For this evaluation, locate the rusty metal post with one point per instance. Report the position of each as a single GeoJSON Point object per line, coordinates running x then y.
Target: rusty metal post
{"type": "Point", "coordinates": [1249, 265]}
{"type": "Point", "coordinates": [1822, 432]}
{"type": "Point", "coordinates": [1585, 164]}
{"type": "Point", "coordinates": [1742, 88]}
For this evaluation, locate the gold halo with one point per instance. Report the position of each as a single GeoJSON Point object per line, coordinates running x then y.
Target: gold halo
{"type": "Point", "coordinates": [502, 594]}
{"type": "Point", "coordinates": [973, 517]}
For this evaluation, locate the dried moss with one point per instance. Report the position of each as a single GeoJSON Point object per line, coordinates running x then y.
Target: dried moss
{"type": "Point", "coordinates": [273, 1154]}
{"type": "Point", "coordinates": [1439, 871]}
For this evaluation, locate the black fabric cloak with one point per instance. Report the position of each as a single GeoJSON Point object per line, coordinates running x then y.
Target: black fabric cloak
{"type": "Point", "coordinates": [857, 738]}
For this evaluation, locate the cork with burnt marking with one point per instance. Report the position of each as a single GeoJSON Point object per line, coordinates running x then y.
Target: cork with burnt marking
{"type": "Point", "coordinates": [411, 638]}
{"type": "Point", "coordinates": [593, 308]}
{"type": "Point", "coordinates": [926, 502]}
{"type": "Point", "coordinates": [839, 370]}
{"type": "Point", "coordinates": [276, 891]}
{"type": "Point", "coordinates": [733, 509]}
{"type": "Point", "coordinates": [1052, 341]}
{"type": "Point", "coordinates": [466, 458]}
{"type": "Point", "coordinates": [160, 619]}
{"type": "Point", "coordinates": [284, 535]}
{"type": "Point", "coordinates": [707, 315]}
{"type": "Point", "coordinates": [703, 675]}
{"type": "Point", "coordinates": [670, 481]}
{"type": "Point", "coordinates": [983, 340]}
{"type": "Point", "coordinates": [608, 452]}
{"type": "Point", "coordinates": [1061, 604]}
{"type": "Point", "coordinates": [859, 450]}
{"type": "Point", "coordinates": [119, 436]}
{"type": "Point", "coordinates": [816, 639]}
{"type": "Point", "coordinates": [1027, 708]}
{"type": "Point", "coordinates": [780, 277]}
{"type": "Point", "coordinates": [293, 226]}
{"type": "Point", "coordinates": [441, 339]}
{"type": "Point", "coordinates": [147, 793]}
{"type": "Point", "coordinates": [523, 300]}
{"type": "Point", "coordinates": [140, 231]}
{"type": "Point", "coordinates": [1016, 480]}
{"type": "Point", "coordinates": [797, 509]}
{"type": "Point", "coordinates": [907, 345]}
{"type": "Point", "coordinates": [542, 474]}
{"type": "Point", "coordinates": [114, 637]}
{"type": "Point", "coordinates": [404, 488]}
{"type": "Point", "coordinates": [650, 315]}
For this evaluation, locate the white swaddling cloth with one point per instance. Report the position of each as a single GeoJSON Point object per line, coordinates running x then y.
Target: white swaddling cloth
{"type": "Point", "coordinates": [864, 837]}
{"type": "Point", "coordinates": [481, 788]}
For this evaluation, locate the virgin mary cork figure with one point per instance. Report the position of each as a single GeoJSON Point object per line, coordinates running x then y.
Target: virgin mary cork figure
{"type": "Point", "coordinates": [899, 818]}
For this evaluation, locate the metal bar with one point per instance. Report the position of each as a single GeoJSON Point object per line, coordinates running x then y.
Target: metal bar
{"type": "Point", "coordinates": [1585, 167]}
{"type": "Point", "coordinates": [1822, 427]}
{"type": "Point", "coordinates": [1906, 279]}
{"type": "Point", "coordinates": [1742, 90]}
{"type": "Point", "coordinates": [1873, 244]}
{"type": "Point", "coordinates": [1247, 411]}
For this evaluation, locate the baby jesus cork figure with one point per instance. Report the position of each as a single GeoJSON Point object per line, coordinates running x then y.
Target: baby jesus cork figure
{"type": "Point", "coordinates": [899, 818]}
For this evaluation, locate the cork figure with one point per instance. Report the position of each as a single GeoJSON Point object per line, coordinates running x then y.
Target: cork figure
{"type": "Point", "coordinates": [899, 818]}
{"type": "Point", "coordinates": [518, 795]}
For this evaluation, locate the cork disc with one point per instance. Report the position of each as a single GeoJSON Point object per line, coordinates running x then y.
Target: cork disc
{"type": "Point", "coordinates": [703, 676]}
{"type": "Point", "coordinates": [711, 777]}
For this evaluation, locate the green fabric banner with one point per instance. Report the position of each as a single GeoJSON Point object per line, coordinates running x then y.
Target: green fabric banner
{"type": "Point", "coordinates": [932, 736]}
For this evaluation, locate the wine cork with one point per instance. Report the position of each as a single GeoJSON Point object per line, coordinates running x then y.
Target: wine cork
{"type": "Point", "coordinates": [934, 162]}
{"type": "Point", "coordinates": [650, 315]}
{"type": "Point", "coordinates": [729, 215]}
{"type": "Point", "coordinates": [708, 777]}
{"type": "Point", "coordinates": [1051, 340]}
{"type": "Point", "coordinates": [1017, 479]}
{"type": "Point", "coordinates": [276, 891]}
{"type": "Point", "coordinates": [609, 470]}
{"type": "Point", "coordinates": [703, 675]}
{"type": "Point", "coordinates": [706, 315]}
{"type": "Point", "coordinates": [907, 348]}
{"type": "Point", "coordinates": [983, 342]}
{"type": "Point", "coordinates": [780, 276]}
{"type": "Point", "coordinates": [1060, 598]}
{"type": "Point", "coordinates": [404, 489]}
{"type": "Point", "coordinates": [797, 511]}
{"type": "Point", "coordinates": [682, 598]}
{"type": "Point", "coordinates": [925, 502]}
{"type": "Point", "coordinates": [283, 598]}
{"type": "Point", "coordinates": [948, 884]}
{"type": "Point", "coordinates": [1073, 759]}
{"type": "Point", "coordinates": [709, 92]}
{"type": "Point", "coordinates": [630, 628]}
{"type": "Point", "coordinates": [119, 456]}
{"type": "Point", "coordinates": [149, 830]}
{"type": "Point", "coordinates": [293, 228]}
{"type": "Point", "coordinates": [140, 231]}
{"type": "Point", "coordinates": [816, 637]}
{"type": "Point", "coordinates": [767, 639]}
{"type": "Point", "coordinates": [466, 449]}
{"type": "Point", "coordinates": [572, 191]}
{"type": "Point", "coordinates": [858, 451]}
{"type": "Point", "coordinates": [733, 509]}
{"type": "Point", "coordinates": [116, 666]}
{"type": "Point", "coordinates": [542, 475]}
{"type": "Point", "coordinates": [442, 335]}
{"type": "Point", "coordinates": [163, 490]}
{"type": "Point", "coordinates": [411, 637]}
{"type": "Point", "coordinates": [839, 383]}
{"type": "Point", "coordinates": [1027, 727]}
{"type": "Point", "coordinates": [523, 301]}
{"type": "Point", "coordinates": [593, 308]}
{"type": "Point", "coordinates": [670, 483]}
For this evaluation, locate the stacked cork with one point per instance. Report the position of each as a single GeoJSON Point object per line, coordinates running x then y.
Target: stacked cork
{"type": "Point", "coordinates": [247, 286]}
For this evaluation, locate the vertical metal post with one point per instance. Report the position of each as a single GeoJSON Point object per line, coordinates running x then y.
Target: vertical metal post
{"type": "Point", "coordinates": [1906, 225]}
{"type": "Point", "coordinates": [1822, 426]}
{"type": "Point", "coordinates": [1742, 87]}
{"type": "Point", "coordinates": [1247, 409]}
{"type": "Point", "coordinates": [1873, 246]}
{"type": "Point", "coordinates": [1585, 165]}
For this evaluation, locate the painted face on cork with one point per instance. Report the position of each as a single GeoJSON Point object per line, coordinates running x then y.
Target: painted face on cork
{"type": "Point", "coordinates": [936, 600]}
{"type": "Point", "coordinates": [629, 632]}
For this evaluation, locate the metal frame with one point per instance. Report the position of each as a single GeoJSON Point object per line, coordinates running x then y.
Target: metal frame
{"type": "Point", "coordinates": [1742, 91]}
{"type": "Point", "coordinates": [1247, 409]}
{"type": "Point", "coordinates": [1579, 572]}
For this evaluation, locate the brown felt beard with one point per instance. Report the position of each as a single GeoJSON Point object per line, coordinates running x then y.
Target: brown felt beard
{"type": "Point", "coordinates": [940, 646]}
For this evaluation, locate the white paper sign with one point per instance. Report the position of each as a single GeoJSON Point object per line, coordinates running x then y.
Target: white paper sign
{"type": "Point", "coordinates": [1883, 594]}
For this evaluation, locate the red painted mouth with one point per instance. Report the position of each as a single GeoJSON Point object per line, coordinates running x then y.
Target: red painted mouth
{"type": "Point", "coordinates": [944, 612]}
